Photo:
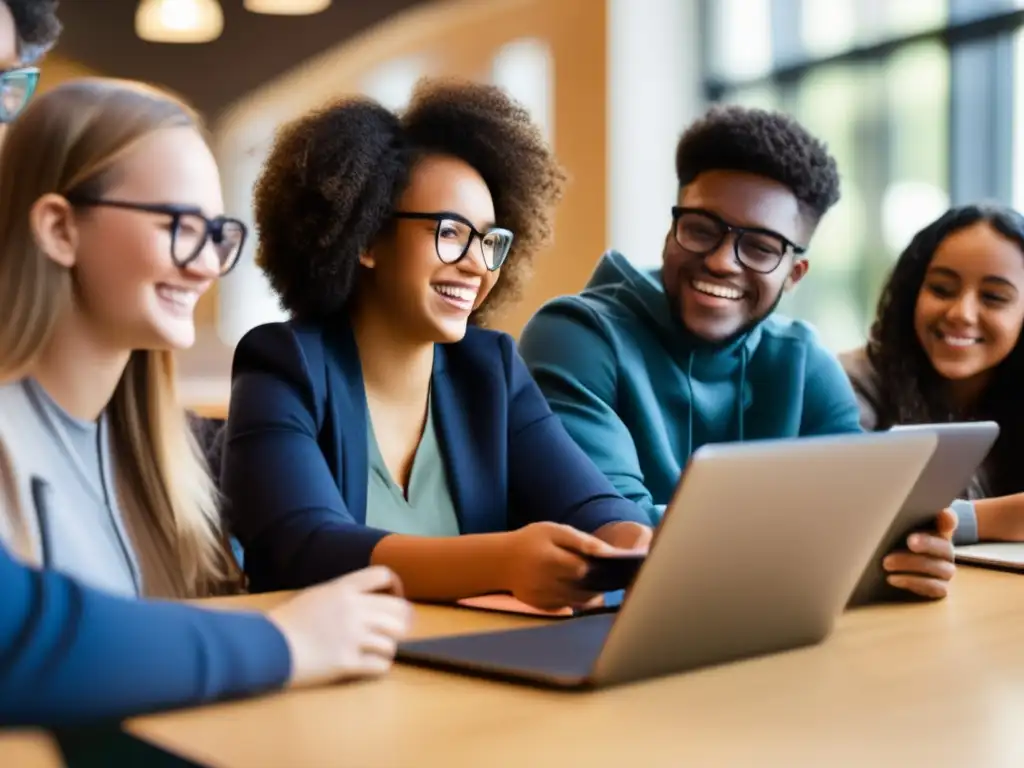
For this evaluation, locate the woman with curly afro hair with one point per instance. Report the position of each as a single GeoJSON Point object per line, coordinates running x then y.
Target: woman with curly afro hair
{"type": "Point", "coordinates": [946, 346]}
{"type": "Point", "coordinates": [382, 424]}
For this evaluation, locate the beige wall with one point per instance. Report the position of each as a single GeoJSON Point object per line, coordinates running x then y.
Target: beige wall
{"type": "Point", "coordinates": [461, 39]}
{"type": "Point", "coordinates": [57, 68]}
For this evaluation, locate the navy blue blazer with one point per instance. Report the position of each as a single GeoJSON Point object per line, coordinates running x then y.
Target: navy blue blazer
{"type": "Point", "coordinates": [295, 464]}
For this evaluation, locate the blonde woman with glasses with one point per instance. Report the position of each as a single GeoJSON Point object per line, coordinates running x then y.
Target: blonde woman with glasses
{"type": "Point", "coordinates": [111, 228]}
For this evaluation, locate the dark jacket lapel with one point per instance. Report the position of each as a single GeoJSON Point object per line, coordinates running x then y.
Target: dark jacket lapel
{"type": "Point", "coordinates": [466, 429]}
{"type": "Point", "coordinates": [345, 426]}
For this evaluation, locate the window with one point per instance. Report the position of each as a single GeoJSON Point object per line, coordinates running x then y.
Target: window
{"type": "Point", "coordinates": [920, 101]}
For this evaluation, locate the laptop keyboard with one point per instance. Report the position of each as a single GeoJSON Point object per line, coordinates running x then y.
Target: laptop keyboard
{"type": "Point", "coordinates": [563, 650]}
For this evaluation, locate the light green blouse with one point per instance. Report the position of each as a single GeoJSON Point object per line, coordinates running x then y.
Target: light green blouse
{"type": "Point", "coordinates": [428, 510]}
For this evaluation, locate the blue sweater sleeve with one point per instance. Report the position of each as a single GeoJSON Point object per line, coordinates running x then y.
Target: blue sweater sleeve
{"type": "Point", "coordinates": [550, 476]}
{"type": "Point", "coordinates": [70, 655]}
{"type": "Point", "coordinates": [966, 522]}
{"type": "Point", "coordinates": [830, 404]}
{"type": "Point", "coordinates": [575, 367]}
{"type": "Point", "coordinates": [283, 501]}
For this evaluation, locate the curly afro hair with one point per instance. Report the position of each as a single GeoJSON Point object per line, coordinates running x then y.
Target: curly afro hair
{"type": "Point", "coordinates": [769, 144]}
{"type": "Point", "coordinates": [333, 178]}
{"type": "Point", "coordinates": [912, 391]}
{"type": "Point", "coordinates": [36, 24]}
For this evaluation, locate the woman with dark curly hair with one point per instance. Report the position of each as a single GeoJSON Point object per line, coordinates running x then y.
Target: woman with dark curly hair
{"type": "Point", "coordinates": [380, 425]}
{"type": "Point", "coordinates": [945, 346]}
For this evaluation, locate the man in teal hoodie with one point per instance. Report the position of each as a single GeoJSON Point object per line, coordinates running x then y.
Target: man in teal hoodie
{"type": "Point", "coordinates": [644, 367]}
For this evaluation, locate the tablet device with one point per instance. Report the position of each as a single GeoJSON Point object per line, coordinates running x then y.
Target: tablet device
{"type": "Point", "coordinates": [960, 450]}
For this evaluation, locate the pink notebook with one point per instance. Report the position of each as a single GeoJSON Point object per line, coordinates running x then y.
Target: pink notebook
{"type": "Point", "coordinates": [508, 604]}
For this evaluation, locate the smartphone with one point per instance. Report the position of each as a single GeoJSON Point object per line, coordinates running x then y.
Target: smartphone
{"type": "Point", "coordinates": [611, 573]}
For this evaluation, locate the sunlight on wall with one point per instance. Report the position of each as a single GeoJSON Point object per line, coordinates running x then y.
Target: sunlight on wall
{"type": "Point", "coordinates": [392, 83]}
{"type": "Point", "coordinates": [524, 69]}
{"type": "Point", "coordinates": [653, 92]}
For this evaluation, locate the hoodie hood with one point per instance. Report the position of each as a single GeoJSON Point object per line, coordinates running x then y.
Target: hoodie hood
{"type": "Point", "coordinates": [618, 283]}
{"type": "Point", "coordinates": [642, 293]}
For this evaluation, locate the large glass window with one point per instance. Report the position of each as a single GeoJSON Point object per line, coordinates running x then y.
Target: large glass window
{"type": "Point", "coordinates": [920, 101]}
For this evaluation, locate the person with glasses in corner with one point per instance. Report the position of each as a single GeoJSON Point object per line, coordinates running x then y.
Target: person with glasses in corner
{"type": "Point", "coordinates": [645, 367]}
{"type": "Point", "coordinates": [110, 229]}
{"type": "Point", "coordinates": [383, 424]}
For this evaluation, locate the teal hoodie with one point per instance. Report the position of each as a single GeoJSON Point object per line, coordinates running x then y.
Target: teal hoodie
{"type": "Point", "coordinates": [640, 394]}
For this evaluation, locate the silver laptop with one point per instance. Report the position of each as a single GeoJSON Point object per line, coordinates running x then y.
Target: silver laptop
{"type": "Point", "coordinates": [1007, 556]}
{"type": "Point", "coordinates": [961, 448]}
{"type": "Point", "coordinates": [758, 552]}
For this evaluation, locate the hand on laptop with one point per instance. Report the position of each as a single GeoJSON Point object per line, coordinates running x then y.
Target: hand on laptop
{"type": "Point", "coordinates": [543, 565]}
{"type": "Point", "coordinates": [926, 566]}
{"type": "Point", "coordinates": [345, 628]}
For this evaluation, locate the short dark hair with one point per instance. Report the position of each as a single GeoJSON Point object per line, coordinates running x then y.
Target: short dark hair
{"type": "Point", "coordinates": [36, 24]}
{"type": "Point", "coordinates": [769, 144]}
{"type": "Point", "coordinates": [333, 178]}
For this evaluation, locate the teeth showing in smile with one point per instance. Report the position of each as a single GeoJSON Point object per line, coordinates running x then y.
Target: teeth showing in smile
{"type": "Point", "coordinates": [182, 298]}
{"type": "Point", "coordinates": [459, 293]}
{"type": "Point", "coordinates": [721, 291]}
{"type": "Point", "coordinates": [959, 341]}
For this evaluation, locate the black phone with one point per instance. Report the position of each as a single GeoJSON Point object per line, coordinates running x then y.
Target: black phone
{"type": "Point", "coordinates": [611, 573]}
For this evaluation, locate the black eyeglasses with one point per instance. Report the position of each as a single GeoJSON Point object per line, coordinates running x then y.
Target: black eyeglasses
{"type": "Point", "coordinates": [455, 233]}
{"type": "Point", "coordinates": [190, 230]}
{"type": "Point", "coordinates": [702, 232]}
{"type": "Point", "coordinates": [16, 89]}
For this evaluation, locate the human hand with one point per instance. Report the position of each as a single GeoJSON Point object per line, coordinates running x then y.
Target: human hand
{"type": "Point", "coordinates": [345, 628]}
{"type": "Point", "coordinates": [544, 563]}
{"type": "Point", "coordinates": [626, 535]}
{"type": "Point", "coordinates": [926, 566]}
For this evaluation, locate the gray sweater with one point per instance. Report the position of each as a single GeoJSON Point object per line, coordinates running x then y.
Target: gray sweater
{"type": "Point", "coordinates": [58, 504]}
{"type": "Point", "coordinates": [867, 385]}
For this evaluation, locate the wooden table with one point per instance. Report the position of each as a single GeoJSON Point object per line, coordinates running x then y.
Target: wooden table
{"type": "Point", "coordinates": [932, 685]}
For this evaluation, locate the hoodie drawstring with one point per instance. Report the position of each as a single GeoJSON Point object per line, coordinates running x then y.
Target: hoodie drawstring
{"type": "Point", "coordinates": [741, 399]}
{"type": "Point", "coordinates": [689, 420]}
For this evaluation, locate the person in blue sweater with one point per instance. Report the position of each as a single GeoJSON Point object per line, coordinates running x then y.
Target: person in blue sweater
{"type": "Point", "coordinates": [74, 308]}
{"type": "Point", "coordinates": [382, 424]}
{"type": "Point", "coordinates": [644, 367]}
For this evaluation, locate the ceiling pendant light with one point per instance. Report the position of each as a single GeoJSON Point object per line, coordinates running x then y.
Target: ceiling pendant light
{"type": "Point", "coordinates": [287, 7]}
{"type": "Point", "coordinates": [179, 21]}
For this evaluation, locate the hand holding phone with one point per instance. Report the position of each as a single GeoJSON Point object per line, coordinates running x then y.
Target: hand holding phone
{"type": "Point", "coordinates": [610, 573]}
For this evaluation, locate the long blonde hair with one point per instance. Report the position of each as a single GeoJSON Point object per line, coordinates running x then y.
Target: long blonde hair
{"type": "Point", "coordinates": [71, 140]}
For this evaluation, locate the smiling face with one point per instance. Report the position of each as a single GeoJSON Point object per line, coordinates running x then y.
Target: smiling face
{"type": "Point", "coordinates": [128, 290]}
{"type": "Point", "coordinates": [429, 299]}
{"type": "Point", "coordinates": [715, 295]}
{"type": "Point", "coordinates": [970, 307]}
